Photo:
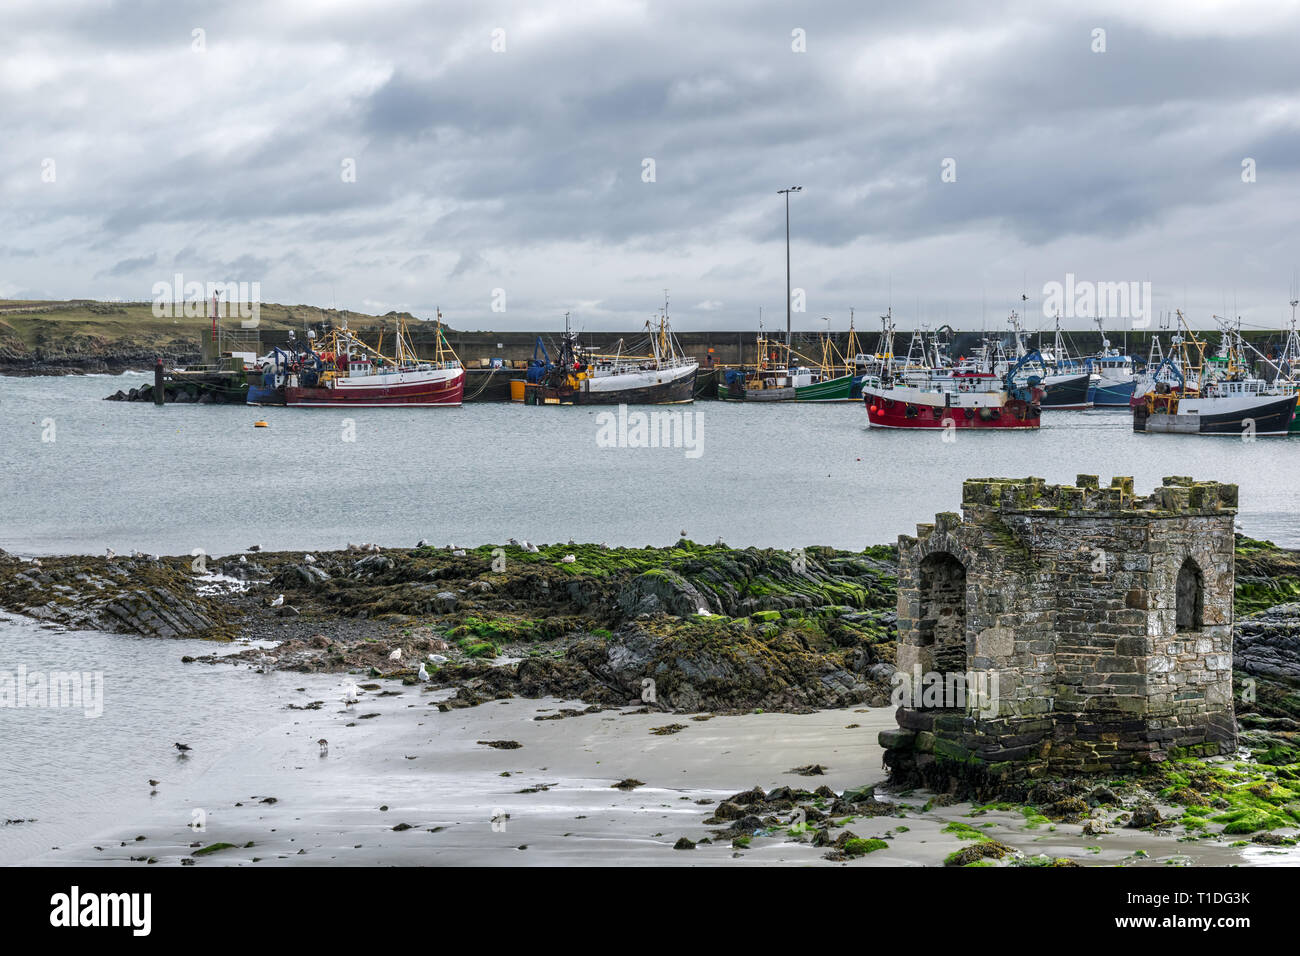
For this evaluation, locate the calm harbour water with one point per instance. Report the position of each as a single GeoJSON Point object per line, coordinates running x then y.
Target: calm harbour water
{"type": "Point", "coordinates": [172, 479]}
{"type": "Point", "coordinates": [69, 775]}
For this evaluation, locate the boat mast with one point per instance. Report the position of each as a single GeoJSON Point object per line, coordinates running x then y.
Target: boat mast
{"type": "Point", "coordinates": [887, 340]}
{"type": "Point", "coordinates": [1291, 351]}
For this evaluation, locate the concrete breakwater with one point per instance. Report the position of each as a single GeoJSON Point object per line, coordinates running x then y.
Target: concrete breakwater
{"type": "Point", "coordinates": [732, 347]}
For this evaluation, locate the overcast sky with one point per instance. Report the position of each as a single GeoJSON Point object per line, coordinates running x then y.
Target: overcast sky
{"type": "Point", "coordinates": [132, 148]}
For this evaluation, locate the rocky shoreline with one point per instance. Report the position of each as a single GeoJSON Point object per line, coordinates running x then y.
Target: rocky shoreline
{"type": "Point", "coordinates": [112, 361]}
{"type": "Point", "coordinates": [698, 630]}
{"type": "Point", "coordinates": [686, 628]}
{"type": "Point", "coordinates": [714, 628]}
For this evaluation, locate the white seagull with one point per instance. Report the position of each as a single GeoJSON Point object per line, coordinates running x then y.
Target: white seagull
{"type": "Point", "coordinates": [278, 601]}
{"type": "Point", "coordinates": [309, 558]}
{"type": "Point", "coordinates": [423, 675]}
{"type": "Point", "coordinates": [396, 655]}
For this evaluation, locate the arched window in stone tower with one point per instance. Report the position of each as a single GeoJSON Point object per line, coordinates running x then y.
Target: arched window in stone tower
{"type": "Point", "coordinates": [1190, 597]}
{"type": "Point", "coordinates": [943, 615]}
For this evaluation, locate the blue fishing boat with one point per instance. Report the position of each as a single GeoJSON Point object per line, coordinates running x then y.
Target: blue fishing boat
{"type": "Point", "coordinates": [266, 381]}
{"type": "Point", "coordinates": [1114, 376]}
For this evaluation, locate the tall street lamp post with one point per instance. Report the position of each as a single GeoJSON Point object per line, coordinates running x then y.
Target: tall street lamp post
{"type": "Point", "coordinates": [786, 193]}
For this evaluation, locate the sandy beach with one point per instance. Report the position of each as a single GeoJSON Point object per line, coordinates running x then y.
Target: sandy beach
{"type": "Point", "coordinates": [402, 783]}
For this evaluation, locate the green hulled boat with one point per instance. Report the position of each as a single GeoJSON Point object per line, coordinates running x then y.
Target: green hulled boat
{"type": "Point", "coordinates": [775, 380]}
{"type": "Point", "coordinates": [838, 389]}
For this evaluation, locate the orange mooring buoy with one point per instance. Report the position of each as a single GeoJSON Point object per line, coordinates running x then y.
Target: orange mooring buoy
{"type": "Point", "coordinates": [260, 425]}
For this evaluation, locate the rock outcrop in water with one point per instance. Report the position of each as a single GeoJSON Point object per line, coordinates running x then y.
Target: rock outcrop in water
{"type": "Point", "coordinates": [145, 596]}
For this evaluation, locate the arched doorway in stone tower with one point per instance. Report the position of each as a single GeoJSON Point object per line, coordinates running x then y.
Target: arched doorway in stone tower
{"type": "Point", "coordinates": [942, 621]}
{"type": "Point", "coordinates": [1189, 597]}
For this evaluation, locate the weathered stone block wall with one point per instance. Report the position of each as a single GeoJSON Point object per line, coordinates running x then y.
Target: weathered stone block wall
{"type": "Point", "coordinates": [1071, 620]}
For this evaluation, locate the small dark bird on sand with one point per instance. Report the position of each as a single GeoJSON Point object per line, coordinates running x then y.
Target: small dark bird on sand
{"type": "Point", "coordinates": [153, 783]}
{"type": "Point", "coordinates": [182, 747]}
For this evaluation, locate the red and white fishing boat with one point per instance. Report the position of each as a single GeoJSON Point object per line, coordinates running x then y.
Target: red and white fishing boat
{"type": "Point", "coordinates": [344, 371]}
{"type": "Point", "coordinates": [969, 395]}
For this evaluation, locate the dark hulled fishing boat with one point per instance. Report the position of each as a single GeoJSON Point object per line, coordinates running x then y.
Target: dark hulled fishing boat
{"type": "Point", "coordinates": [578, 376]}
{"type": "Point", "coordinates": [1193, 395]}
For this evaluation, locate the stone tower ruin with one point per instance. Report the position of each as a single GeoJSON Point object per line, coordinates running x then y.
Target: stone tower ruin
{"type": "Point", "coordinates": [1065, 628]}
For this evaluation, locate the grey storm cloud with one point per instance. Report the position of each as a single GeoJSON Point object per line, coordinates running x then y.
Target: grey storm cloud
{"type": "Point", "coordinates": [384, 155]}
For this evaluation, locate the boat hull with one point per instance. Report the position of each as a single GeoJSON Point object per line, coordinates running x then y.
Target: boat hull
{"type": "Point", "coordinates": [1112, 394]}
{"type": "Point", "coordinates": [1067, 391]}
{"type": "Point", "coordinates": [401, 390]}
{"type": "Point", "coordinates": [738, 393]}
{"type": "Point", "coordinates": [1232, 416]}
{"type": "Point", "coordinates": [915, 409]}
{"type": "Point", "coordinates": [264, 395]}
{"type": "Point", "coordinates": [831, 390]}
{"type": "Point", "coordinates": [672, 387]}
{"type": "Point", "coordinates": [845, 388]}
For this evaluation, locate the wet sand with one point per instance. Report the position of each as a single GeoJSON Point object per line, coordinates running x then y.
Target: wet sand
{"type": "Point", "coordinates": [462, 802]}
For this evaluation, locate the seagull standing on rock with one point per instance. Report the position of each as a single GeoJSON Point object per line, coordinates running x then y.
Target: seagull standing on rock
{"type": "Point", "coordinates": [423, 675]}
{"type": "Point", "coordinates": [309, 558]}
{"type": "Point", "coordinates": [278, 601]}
{"type": "Point", "coordinates": [396, 655]}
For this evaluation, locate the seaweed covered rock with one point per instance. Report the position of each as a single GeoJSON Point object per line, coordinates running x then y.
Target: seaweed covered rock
{"type": "Point", "coordinates": [705, 665]}
{"type": "Point", "coordinates": [1268, 643]}
{"type": "Point", "coordinates": [661, 591]}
